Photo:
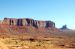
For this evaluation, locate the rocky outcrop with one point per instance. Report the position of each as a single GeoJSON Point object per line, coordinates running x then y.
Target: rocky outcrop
{"type": "Point", "coordinates": [64, 27]}
{"type": "Point", "coordinates": [28, 22]}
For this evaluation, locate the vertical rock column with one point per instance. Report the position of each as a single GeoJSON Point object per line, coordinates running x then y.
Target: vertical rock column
{"type": "Point", "coordinates": [24, 22]}
{"type": "Point", "coordinates": [19, 22]}
{"type": "Point", "coordinates": [50, 24]}
{"type": "Point", "coordinates": [41, 24]}
{"type": "Point", "coordinates": [13, 21]}
{"type": "Point", "coordinates": [6, 21]}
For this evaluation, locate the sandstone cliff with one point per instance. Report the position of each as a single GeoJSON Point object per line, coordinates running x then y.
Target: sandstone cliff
{"type": "Point", "coordinates": [28, 22]}
{"type": "Point", "coordinates": [25, 27]}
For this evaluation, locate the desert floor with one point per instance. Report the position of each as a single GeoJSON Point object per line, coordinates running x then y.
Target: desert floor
{"type": "Point", "coordinates": [51, 43]}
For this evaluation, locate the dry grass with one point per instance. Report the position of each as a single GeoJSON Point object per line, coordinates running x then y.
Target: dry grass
{"type": "Point", "coordinates": [33, 38]}
{"type": "Point", "coordinates": [53, 43]}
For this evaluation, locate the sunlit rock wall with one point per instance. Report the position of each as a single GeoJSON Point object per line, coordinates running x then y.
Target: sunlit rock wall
{"type": "Point", "coordinates": [28, 22]}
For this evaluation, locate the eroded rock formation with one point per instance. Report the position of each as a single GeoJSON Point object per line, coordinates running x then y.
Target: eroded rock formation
{"type": "Point", "coordinates": [28, 22]}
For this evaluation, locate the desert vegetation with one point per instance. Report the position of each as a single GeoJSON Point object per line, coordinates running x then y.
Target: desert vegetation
{"type": "Point", "coordinates": [53, 43]}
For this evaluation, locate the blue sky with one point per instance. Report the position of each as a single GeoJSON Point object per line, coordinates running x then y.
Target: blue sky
{"type": "Point", "coordinates": [60, 11]}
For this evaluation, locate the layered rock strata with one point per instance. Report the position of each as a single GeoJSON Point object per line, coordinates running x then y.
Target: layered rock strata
{"type": "Point", "coordinates": [28, 22]}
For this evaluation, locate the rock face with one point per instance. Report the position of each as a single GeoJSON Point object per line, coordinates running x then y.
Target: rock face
{"type": "Point", "coordinates": [64, 27]}
{"type": "Point", "coordinates": [28, 22]}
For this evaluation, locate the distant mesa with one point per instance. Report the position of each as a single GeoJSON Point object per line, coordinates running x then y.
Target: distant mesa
{"type": "Point", "coordinates": [64, 27]}
{"type": "Point", "coordinates": [27, 22]}
{"type": "Point", "coordinates": [26, 27]}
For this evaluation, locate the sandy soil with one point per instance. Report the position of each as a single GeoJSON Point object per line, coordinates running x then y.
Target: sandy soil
{"type": "Point", "coordinates": [9, 43]}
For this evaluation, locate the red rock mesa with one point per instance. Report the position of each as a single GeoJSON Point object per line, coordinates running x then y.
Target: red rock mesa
{"type": "Point", "coordinates": [28, 22]}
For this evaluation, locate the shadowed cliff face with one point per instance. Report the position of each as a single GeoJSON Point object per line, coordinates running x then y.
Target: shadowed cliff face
{"type": "Point", "coordinates": [19, 22]}
{"type": "Point", "coordinates": [29, 22]}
